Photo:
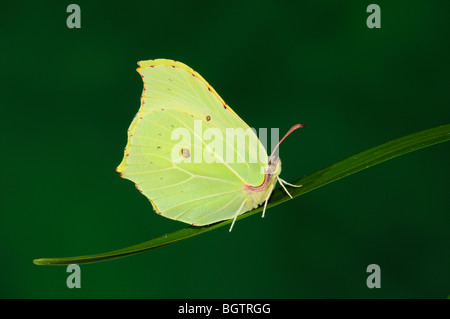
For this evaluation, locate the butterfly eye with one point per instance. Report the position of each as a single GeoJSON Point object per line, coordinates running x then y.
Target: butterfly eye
{"type": "Point", "coordinates": [208, 118]}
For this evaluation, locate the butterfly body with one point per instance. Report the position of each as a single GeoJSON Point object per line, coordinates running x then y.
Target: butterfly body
{"type": "Point", "coordinates": [258, 194]}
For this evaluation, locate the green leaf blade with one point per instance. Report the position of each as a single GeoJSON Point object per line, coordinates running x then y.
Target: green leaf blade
{"type": "Point", "coordinates": [334, 172]}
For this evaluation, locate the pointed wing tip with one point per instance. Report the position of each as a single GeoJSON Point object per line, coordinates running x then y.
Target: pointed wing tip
{"type": "Point", "coordinates": [163, 62]}
{"type": "Point", "coordinates": [144, 62]}
{"type": "Point", "coordinates": [153, 62]}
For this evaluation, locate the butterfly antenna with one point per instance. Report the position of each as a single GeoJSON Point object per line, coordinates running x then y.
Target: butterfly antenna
{"type": "Point", "coordinates": [292, 129]}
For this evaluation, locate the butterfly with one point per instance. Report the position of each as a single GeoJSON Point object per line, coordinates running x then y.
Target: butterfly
{"type": "Point", "coordinates": [191, 180]}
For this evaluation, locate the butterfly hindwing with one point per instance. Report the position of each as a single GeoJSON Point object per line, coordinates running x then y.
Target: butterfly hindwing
{"type": "Point", "coordinates": [185, 191]}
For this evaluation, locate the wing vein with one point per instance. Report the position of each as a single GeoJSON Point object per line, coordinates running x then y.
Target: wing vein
{"type": "Point", "coordinates": [164, 187]}
{"type": "Point", "coordinates": [218, 210]}
{"type": "Point", "coordinates": [209, 150]}
{"type": "Point", "coordinates": [200, 198]}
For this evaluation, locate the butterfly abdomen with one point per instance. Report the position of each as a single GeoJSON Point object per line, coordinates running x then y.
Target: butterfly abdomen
{"type": "Point", "coordinates": [258, 194]}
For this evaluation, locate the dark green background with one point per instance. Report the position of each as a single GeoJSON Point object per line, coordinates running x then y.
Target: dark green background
{"type": "Point", "coordinates": [69, 95]}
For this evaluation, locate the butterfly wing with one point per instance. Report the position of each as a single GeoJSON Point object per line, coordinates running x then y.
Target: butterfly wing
{"type": "Point", "coordinates": [198, 193]}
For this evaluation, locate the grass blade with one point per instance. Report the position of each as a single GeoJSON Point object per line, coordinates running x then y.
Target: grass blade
{"type": "Point", "coordinates": [313, 181]}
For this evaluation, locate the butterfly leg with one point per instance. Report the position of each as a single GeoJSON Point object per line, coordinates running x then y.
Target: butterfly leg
{"type": "Point", "coordinates": [267, 199]}
{"type": "Point", "coordinates": [292, 185]}
{"type": "Point", "coordinates": [237, 214]}
{"type": "Point", "coordinates": [284, 187]}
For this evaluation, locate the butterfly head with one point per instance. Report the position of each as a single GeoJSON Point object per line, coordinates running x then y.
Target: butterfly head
{"type": "Point", "coordinates": [274, 166]}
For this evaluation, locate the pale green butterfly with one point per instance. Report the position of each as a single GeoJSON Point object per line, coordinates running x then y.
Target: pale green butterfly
{"type": "Point", "coordinates": [197, 193]}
